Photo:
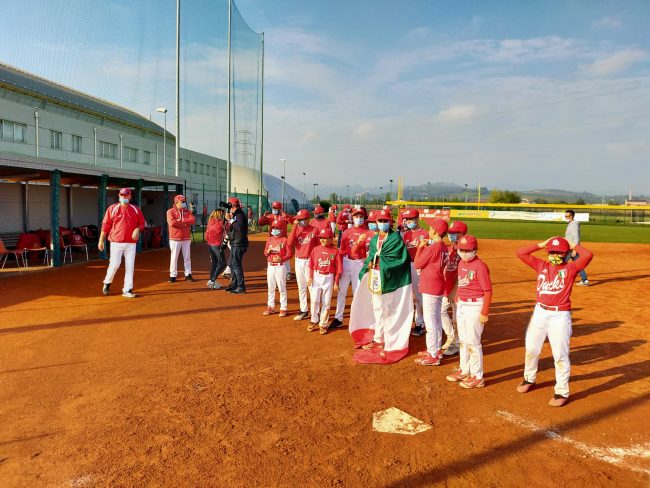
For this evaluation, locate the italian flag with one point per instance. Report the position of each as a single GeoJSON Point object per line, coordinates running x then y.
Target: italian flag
{"type": "Point", "coordinates": [394, 301]}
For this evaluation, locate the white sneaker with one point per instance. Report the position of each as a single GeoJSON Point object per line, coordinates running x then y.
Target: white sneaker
{"type": "Point", "coordinates": [216, 286]}
{"type": "Point", "coordinates": [584, 283]}
{"type": "Point", "coordinates": [210, 284]}
{"type": "Point", "coordinates": [129, 294]}
{"type": "Point", "coordinates": [452, 350]}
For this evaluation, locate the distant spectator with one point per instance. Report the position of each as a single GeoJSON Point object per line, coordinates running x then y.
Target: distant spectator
{"type": "Point", "coordinates": [572, 235]}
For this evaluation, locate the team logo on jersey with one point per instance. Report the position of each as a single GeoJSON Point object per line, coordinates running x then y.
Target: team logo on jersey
{"type": "Point", "coordinates": [550, 287]}
{"type": "Point", "coordinates": [324, 263]}
{"type": "Point", "coordinates": [471, 275]}
{"type": "Point", "coordinates": [275, 249]}
{"type": "Point", "coordinates": [306, 239]}
{"type": "Point", "coordinates": [562, 273]}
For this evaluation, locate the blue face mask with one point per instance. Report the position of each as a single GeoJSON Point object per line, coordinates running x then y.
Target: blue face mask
{"type": "Point", "coordinates": [302, 223]}
{"type": "Point", "coordinates": [372, 226]}
{"type": "Point", "coordinates": [358, 221]}
{"type": "Point", "coordinates": [124, 200]}
{"type": "Point", "coordinates": [276, 232]}
{"type": "Point", "coordinates": [383, 226]}
{"type": "Point", "coordinates": [453, 237]}
{"type": "Point", "coordinates": [183, 205]}
{"type": "Point", "coordinates": [275, 211]}
{"type": "Point", "coordinates": [411, 225]}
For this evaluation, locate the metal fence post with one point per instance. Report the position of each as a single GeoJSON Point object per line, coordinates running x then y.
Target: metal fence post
{"type": "Point", "coordinates": [138, 197]}
{"type": "Point", "coordinates": [55, 238]}
{"type": "Point", "coordinates": [166, 204]}
{"type": "Point", "coordinates": [101, 208]}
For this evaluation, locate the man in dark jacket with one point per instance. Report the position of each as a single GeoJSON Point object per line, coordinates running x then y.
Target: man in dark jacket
{"type": "Point", "coordinates": [238, 233]}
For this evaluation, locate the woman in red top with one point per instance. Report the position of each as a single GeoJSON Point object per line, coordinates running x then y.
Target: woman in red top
{"type": "Point", "coordinates": [214, 234]}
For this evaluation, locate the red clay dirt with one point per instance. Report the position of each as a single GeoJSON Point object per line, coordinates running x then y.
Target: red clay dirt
{"type": "Point", "coordinates": [189, 387]}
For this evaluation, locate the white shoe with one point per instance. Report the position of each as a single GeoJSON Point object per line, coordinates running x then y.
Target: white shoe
{"type": "Point", "coordinates": [452, 350]}
{"type": "Point", "coordinates": [584, 283]}
{"type": "Point", "coordinates": [210, 284]}
{"type": "Point", "coordinates": [216, 286]}
{"type": "Point", "coordinates": [129, 294]}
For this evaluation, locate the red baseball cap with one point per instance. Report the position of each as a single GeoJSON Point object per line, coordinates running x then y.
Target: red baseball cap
{"type": "Point", "coordinates": [360, 210]}
{"type": "Point", "coordinates": [411, 213]}
{"type": "Point", "coordinates": [325, 233]}
{"type": "Point", "coordinates": [277, 205]}
{"type": "Point", "coordinates": [319, 209]}
{"type": "Point", "coordinates": [347, 205]}
{"type": "Point", "coordinates": [179, 198]}
{"type": "Point", "coordinates": [234, 201]}
{"type": "Point", "coordinates": [440, 226]}
{"type": "Point", "coordinates": [372, 216]}
{"type": "Point", "coordinates": [125, 191]}
{"type": "Point", "coordinates": [467, 243]}
{"type": "Point", "coordinates": [383, 215]}
{"type": "Point", "coordinates": [458, 227]}
{"type": "Point", "coordinates": [302, 214]}
{"type": "Point", "coordinates": [558, 244]}
{"type": "Point", "coordinates": [334, 207]}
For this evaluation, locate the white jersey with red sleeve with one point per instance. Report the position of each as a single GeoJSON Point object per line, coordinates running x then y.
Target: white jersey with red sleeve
{"type": "Point", "coordinates": [412, 240]}
{"type": "Point", "coordinates": [349, 247]}
{"type": "Point", "coordinates": [554, 283]}
{"type": "Point", "coordinates": [276, 250]}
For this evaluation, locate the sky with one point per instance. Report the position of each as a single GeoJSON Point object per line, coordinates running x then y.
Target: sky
{"type": "Point", "coordinates": [508, 94]}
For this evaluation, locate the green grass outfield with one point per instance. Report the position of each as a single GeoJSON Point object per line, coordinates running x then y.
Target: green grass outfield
{"type": "Point", "coordinates": [538, 231]}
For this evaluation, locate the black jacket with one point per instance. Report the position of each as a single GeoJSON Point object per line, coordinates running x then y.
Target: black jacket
{"type": "Point", "coordinates": [239, 229]}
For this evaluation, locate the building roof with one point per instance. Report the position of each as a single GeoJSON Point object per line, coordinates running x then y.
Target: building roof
{"type": "Point", "coordinates": [23, 82]}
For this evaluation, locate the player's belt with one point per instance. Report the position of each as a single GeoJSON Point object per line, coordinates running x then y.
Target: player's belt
{"type": "Point", "coordinates": [302, 259]}
{"type": "Point", "coordinates": [353, 259]}
{"type": "Point", "coordinates": [555, 308]}
{"type": "Point", "coordinates": [471, 300]}
{"type": "Point", "coordinates": [323, 274]}
{"type": "Point", "coordinates": [276, 264]}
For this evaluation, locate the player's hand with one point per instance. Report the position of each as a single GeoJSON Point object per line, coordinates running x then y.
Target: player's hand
{"type": "Point", "coordinates": [309, 282]}
{"type": "Point", "coordinates": [483, 319]}
{"type": "Point", "coordinates": [276, 258]}
{"type": "Point", "coordinates": [361, 239]}
{"type": "Point", "coordinates": [100, 245]}
{"type": "Point", "coordinates": [542, 245]}
{"type": "Point", "coordinates": [423, 243]}
{"type": "Point", "coordinates": [136, 234]}
{"type": "Point", "coordinates": [336, 288]}
{"type": "Point", "coordinates": [572, 246]}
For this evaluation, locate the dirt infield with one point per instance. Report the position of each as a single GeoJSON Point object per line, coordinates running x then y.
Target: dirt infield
{"type": "Point", "coordinates": [189, 387]}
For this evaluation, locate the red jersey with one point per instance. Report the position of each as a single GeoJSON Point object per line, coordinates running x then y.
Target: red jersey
{"type": "Point", "coordinates": [269, 218]}
{"type": "Point", "coordinates": [180, 222]}
{"type": "Point", "coordinates": [319, 224]}
{"type": "Point", "coordinates": [349, 240]}
{"type": "Point", "coordinates": [325, 260]}
{"type": "Point", "coordinates": [451, 270]}
{"type": "Point", "coordinates": [276, 246]}
{"type": "Point", "coordinates": [412, 240]}
{"type": "Point", "coordinates": [120, 221]}
{"type": "Point", "coordinates": [431, 260]}
{"type": "Point", "coordinates": [343, 220]}
{"type": "Point", "coordinates": [554, 283]}
{"type": "Point", "coordinates": [302, 240]}
{"type": "Point", "coordinates": [474, 282]}
{"type": "Point", "coordinates": [214, 232]}
{"type": "Point", "coordinates": [369, 235]}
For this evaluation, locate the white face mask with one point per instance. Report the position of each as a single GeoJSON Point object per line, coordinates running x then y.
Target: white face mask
{"type": "Point", "coordinates": [372, 226]}
{"type": "Point", "coordinates": [467, 255]}
{"type": "Point", "coordinates": [302, 223]}
{"type": "Point", "coordinates": [276, 232]}
{"type": "Point", "coordinates": [411, 224]}
{"type": "Point", "coordinates": [124, 200]}
{"type": "Point", "coordinates": [358, 221]}
{"type": "Point", "coordinates": [183, 205]}
{"type": "Point", "coordinates": [383, 226]}
{"type": "Point", "coordinates": [453, 237]}
{"type": "Point", "coordinates": [275, 211]}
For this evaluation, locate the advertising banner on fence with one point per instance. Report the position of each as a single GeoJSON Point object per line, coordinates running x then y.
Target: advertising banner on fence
{"type": "Point", "coordinates": [469, 214]}
{"type": "Point", "coordinates": [536, 216]}
{"type": "Point", "coordinates": [430, 214]}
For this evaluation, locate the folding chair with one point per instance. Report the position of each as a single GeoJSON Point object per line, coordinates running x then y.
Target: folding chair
{"type": "Point", "coordinates": [77, 242]}
{"type": "Point", "coordinates": [30, 242]}
{"type": "Point", "coordinates": [5, 253]}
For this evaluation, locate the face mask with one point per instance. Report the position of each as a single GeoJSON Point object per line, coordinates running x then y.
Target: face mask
{"type": "Point", "coordinates": [555, 259]}
{"type": "Point", "coordinates": [302, 223]}
{"type": "Point", "coordinates": [453, 237]}
{"type": "Point", "coordinates": [411, 225]}
{"type": "Point", "coordinates": [467, 255]}
{"type": "Point", "coordinates": [275, 211]}
{"type": "Point", "coordinates": [276, 232]}
{"type": "Point", "coordinates": [383, 226]}
{"type": "Point", "coordinates": [124, 200]}
{"type": "Point", "coordinates": [320, 216]}
{"type": "Point", "coordinates": [372, 226]}
{"type": "Point", "coordinates": [323, 242]}
{"type": "Point", "coordinates": [358, 221]}
{"type": "Point", "coordinates": [183, 205]}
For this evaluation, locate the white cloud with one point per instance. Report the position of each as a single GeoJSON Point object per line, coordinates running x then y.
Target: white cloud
{"type": "Point", "coordinates": [615, 63]}
{"type": "Point", "coordinates": [457, 112]}
{"type": "Point", "coordinates": [612, 22]}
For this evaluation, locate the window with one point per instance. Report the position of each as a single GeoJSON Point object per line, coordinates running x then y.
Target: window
{"type": "Point", "coordinates": [55, 139]}
{"type": "Point", "coordinates": [107, 150]}
{"type": "Point", "coordinates": [76, 144]}
{"type": "Point", "coordinates": [130, 154]}
{"type": "Point", "coordinates": [187, 166]}
{"type": "Point", "coordinates": [13, 131]}
{"type": "Point", "coordinates": [195, 167]}
{"type": "Point", "coordinates": [146, 157]}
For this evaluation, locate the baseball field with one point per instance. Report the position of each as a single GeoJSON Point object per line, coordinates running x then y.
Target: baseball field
{"type": "Point", "coordinates": [183, 386]}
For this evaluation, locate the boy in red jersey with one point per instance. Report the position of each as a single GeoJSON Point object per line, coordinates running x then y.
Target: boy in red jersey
{"type": "Point", "coordinates": [324, 274]}
{"type": "Point", "coordinates": [302, 240]}
{"type": "Point", "coordinates": [430, 260]}
{"type": "Point", "coordinates": [472, 308]}
{"type": "Point", "coordinates": [276, 252]}
{"type": "Point", "coordinates": [413, 234]}
{"type": "Point", "coordinates": [319, 222]}
{"type": "Point", "coordinates": [552, 315]}
{"type": "Point", "coordinates": [451, 346]}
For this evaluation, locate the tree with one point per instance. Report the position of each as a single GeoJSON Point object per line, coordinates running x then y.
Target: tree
{"type": "Point", "coordinates": [541, 201]}
{"type": "Point", "coordinates": [580, 201]}
{"type": "Point", "coordinates": [504, 196]}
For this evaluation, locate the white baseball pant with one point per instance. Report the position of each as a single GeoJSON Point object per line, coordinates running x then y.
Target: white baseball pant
{"type": "Point", "coordinates": [378, 311]}
{"type": "Point", "coordinates": [415, 280]}
{"type": "Point", "coordinates": [321, 297]}
{"type": "Point", "coordinates": [556, 325]}
{"type": "Point", "coordinates": [302, 275]}
{"type": "Point", "coordinates": [176, 248]}
{"type": "Point", "coordinates": [276, 275]}
{"type": "Point", "coordinates": [431, 307]}
{"type": "Point", "coordinates": [119, 249]}
{"type": "Point", "coordinates": [350, 275]}
{"type": "Point", "coordinates": [449, 323]}
{"type": "Point", "coordinates": [470, 330]}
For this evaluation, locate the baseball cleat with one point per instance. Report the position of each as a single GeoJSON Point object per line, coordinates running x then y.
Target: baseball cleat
{"type": "Point", "coordinates": [558, 401]}
{"type": "Point", "coordinates": [472, 382]}
{"type": "Point", "coordinates": [129, 294]}
{"type": "Point", "coordinates": [429, 360]}
{"type": "Point", "coordinates": [373, 345]}
{"type": "Point", "coordinates": [335, 324]}
{"type": "Point", "coordinates": [322, 329]}
{"type": "Point", "coordinates": [289, 276]}
{"type": "Point", "coordinates": [189, 278]}
{"type": "Point", "coordinates": [525, 386]}
{"type": "Point", "coordinates": [457, 375]}
{"type": "Point", "coordinates": [301, 316]}
{"type": "Point", "coordinates": [417, 331]}
{"type": "Point", "coordinates": [312, 326]}
{"type": "Point", "coordinates": [452, 350]}
{"type": "Point", "coordinates": [106, 289]}
{"type": "Point", "coordinates": [283, 313]}
{"type": "Point", "coordinates": [268, 311]}
{"type": "Point", "coordinates": [210, 284]}
{"type": "Point", "coordinates": [172, 279]}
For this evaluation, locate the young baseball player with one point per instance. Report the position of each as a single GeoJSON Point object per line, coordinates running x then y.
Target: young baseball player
{"type": "Point", "coordinates": [473, 299]}
{"type": "Point", "coordinates": [343, 221]}
{"type": "Point", "coordinates": [413, 235]}
{"type": "Point", "coordinates": [354, 250]}
{"type": "Point", "coordinates": [430, 260]}
{"type": "Point", "coordinates": [451, 346]}
{"type": "Point", "coordinates": [276, 252]}
{"type": "Point", "coordinates": [319, 222]}
{"type": "Point", "coordinates": [552, 314]}
{"type": "Point", "coordinates": [324, 274]}
{"type": "Point", "coordinates": [277, 214]}
{"type": "Point", "coordinates": [302, 240]}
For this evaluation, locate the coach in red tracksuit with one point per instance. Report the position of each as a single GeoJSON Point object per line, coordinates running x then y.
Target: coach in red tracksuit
{"type": "Point", "coordinates": [180, 221]}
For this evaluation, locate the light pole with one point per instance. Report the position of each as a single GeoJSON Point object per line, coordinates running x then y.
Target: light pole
{"type": "Point", "coordinates": [465, 192]}
{"type": "Point", "coordinates": [391, 189]}
{"type": "Point", "coordinates": [315, 185]}
{"type": "Point", "coordinates": [347, 196]}
{"type": "Point", "coordinates": [304, 187]}
{"type": "Point", "coordinates": [429, 189]}
{"type": "Point", "coordinates": [284, 174]}
{"type": "Point", "coordinates": [381, 189]}
{"type": "Point", "coordinates": [163, 110]}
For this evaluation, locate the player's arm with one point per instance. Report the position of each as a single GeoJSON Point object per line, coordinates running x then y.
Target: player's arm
{"type": "Point", "coordinates": [585, 256]}
{"type": "Point", "coordinates": [525, 253]}
{"type": "Point", "coordinates": [107, 225]}
{"type": "Point", "coordinates": [486, 287]}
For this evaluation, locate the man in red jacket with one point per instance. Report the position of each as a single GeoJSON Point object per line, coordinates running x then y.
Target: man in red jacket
{"type": "Point", "coordinates": [122, 223]}
{"type": "Point", "coordinates": [180, 221]}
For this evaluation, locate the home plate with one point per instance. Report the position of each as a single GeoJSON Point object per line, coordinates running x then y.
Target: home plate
{"type": "Point", "coordinates": [395, 421]}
